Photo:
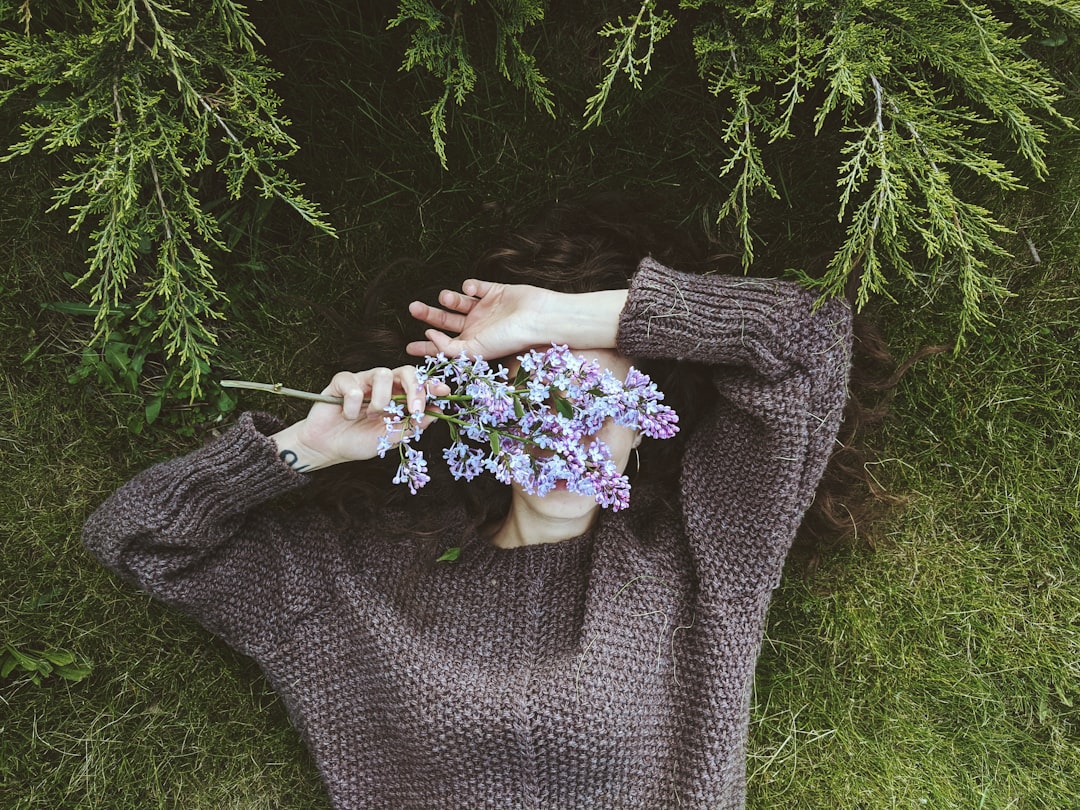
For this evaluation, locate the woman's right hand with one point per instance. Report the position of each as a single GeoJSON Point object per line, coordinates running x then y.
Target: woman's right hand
{"type": "Point", "coordinates": [332, 434]}
{"type": "Point", "coordinates": [490, 320]}
{"type": "Point", "coordinates": [494, 320]}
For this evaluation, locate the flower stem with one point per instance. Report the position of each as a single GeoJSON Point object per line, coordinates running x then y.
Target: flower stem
{"type": "Point", "coordinates": [278, 388]}
{"type": "Point", "coordinates": [281, 390]}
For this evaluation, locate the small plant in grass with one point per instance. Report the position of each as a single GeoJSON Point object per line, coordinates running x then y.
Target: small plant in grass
{"type": "Point", "coordinates": [125, 361]}
{"type": "Point", "coordinates": [37, 665]}
{"type": "Point", "coordinates": [39, 662]}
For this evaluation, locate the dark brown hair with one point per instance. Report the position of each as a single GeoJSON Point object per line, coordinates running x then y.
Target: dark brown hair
{"type": "Point", "coordinates": [581, 248]}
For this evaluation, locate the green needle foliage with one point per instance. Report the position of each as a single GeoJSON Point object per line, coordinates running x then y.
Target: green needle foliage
{"type": "Point", "coordinates": [649, 26]}
{"type": "Point", "coordinates": [146, 99]}
{"type": "Point", "coordinates": [927, 110]}
{"type": "Point", "coordinates": [438, 43]}
{"type": "Point", "coordinates": [920, 97]}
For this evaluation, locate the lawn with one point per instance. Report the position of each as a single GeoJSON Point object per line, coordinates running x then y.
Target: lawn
{"type": "Point", "coordinates": [935, 663]}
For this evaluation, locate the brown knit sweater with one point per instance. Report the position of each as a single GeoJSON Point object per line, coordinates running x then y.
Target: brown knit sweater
{"type": "Point", "coordinates": [611, 670]}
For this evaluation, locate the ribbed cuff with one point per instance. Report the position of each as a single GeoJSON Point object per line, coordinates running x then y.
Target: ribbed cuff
{"type": "Point", "coordinates": [714, 319]}
{"type": "Point", "coordinates": [233, 473]}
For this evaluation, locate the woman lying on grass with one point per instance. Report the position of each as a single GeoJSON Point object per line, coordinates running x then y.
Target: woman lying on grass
{"type": "Point", "coordinates": [571, 656]}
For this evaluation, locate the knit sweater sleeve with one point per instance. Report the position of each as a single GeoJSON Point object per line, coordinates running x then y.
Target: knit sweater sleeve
{"type": "Point", "coordinates": [197, 533]}
{"type": "Point", "coordinates": [780, 367]}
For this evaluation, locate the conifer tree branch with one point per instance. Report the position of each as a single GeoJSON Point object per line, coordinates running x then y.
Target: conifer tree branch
{"type": "Point", "coordinates": [622, 58]}
{"type": "Point", "coordinates": [907, 99]}
{"type": "Point", "coordinates": [124, 90]}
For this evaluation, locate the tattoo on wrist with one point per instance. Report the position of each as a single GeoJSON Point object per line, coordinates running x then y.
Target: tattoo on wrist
{"type": "Point", "coordinates": [293, 460]}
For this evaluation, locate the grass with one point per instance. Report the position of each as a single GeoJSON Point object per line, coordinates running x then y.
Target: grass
{"type": "Point", "coordinates": [943, 669]}
{"type": "Point", "coordinates": [939, 670]}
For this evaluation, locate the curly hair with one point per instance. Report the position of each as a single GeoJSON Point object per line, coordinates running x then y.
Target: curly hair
{"type": "Point", "coordinates": [583, 247]}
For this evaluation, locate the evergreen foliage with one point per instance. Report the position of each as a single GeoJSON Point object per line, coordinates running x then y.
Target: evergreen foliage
{"type": "Point", "coordinates": [149, 101]}
{"type": "Point", "coordinates": [921, 93]}
{"type": "Point", "coordinates": [145, 98]}
{"type": "Point", "coordinates": [438, 44]}
{"type": "Point", "coordinates": [648, 26]}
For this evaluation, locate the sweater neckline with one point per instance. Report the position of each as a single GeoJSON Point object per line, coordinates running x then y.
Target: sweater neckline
{"type": "Point", "coordinates": [540, 548]}
{"type": "Point", "coordinates": [481, 552]}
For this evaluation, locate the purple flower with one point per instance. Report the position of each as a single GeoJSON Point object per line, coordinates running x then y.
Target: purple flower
{"type": "Point", "coordinates": [533, 434]}
{"type": "Point", "coordinates": [412, 470]}
{"type": "Point", "coordinates": [464, 462]}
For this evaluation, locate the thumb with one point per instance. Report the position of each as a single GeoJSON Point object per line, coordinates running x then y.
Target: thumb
{"type": "Point", "coordinates": [444, 343]}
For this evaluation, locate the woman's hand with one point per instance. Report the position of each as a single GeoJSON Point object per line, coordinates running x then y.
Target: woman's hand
{"type": "Point", "coordinates": [491, 320]}
{"type": "Point", "coordinates": [494, 320]}
{"type": "Point", "coordinates": [332, 434]}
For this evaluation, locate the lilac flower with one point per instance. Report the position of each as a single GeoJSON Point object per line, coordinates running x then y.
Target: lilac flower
{"type": "Point", "coordinates": [537, 392]}
{"type": "Point", "coordinates": [464, 462]}
{"type": "Point", "coordinates": [383, 446]}
{"type": "Point", "coordinates": [532, 431]}
{"type": "Point", "coordinates": [413, 469]}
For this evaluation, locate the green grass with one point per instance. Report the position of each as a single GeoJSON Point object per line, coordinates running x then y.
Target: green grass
{"type": "Point", "coordinates": [939, 670]}
{"type": "Point", "coordinates": [944, 669]}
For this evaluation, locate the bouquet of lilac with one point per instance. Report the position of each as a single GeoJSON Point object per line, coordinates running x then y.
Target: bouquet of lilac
{"type": "Point", "coordinates": [535, 430]}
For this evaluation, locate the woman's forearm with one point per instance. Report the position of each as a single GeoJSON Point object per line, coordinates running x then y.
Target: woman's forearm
{"type": "Point", "coordinates": [586, 320]}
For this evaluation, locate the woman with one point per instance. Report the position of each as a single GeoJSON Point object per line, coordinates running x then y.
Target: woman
{"type": "Point", "coordinates": [569, 657]}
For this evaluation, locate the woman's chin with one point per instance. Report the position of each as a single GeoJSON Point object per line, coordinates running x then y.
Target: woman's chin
{"type": "Point", "coordinates": [558, 502]}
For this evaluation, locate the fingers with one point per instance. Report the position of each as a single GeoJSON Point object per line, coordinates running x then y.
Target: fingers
{"type": "Point", "coordinates": [457, 302]}
{"type": "Point", "coordinates": [420, 348]}
{"type": "Point", "coordinates": [456, 306]}
{"type": "Point", "coordinates": [436, 342]}
{"type": "Point", "coordinates": [477, 288]}
{"type": "Point", "coordinates": [376, 388]}
{"type": "Point", "coordinates": [439, 318]}
{"type": "Point", "coordinates": [382, 387]}
{"type": "Point", "coordinates": [351, 387]}
{"type": "Point", "coordinates": [415, 394]}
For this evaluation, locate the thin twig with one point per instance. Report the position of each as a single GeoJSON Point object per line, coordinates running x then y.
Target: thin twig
{"type": "Point", "coordinates": [281, 390]}
{"type": "Point", "coordinates": [278, 388]}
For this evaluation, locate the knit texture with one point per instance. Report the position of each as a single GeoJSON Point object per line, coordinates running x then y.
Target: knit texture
{"type": "Point", "coordinates": [611, 670]}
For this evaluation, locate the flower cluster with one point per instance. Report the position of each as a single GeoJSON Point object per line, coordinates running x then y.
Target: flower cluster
{"type": "Point", "coordinates": [535, 430]}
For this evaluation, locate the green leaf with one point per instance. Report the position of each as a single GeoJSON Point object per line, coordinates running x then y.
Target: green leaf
{"type": "Point", "coordinates": [1062, 696]}
{"type": "Point", "coordinates": [73, 672]}
{"type": "Point", "coordinates": [563, 406]}
{"type": "Point", "coordinates": [70, 308]}
{"type": "Point", "coordinates": [450, 555]}
{"type": "Point", "coordinates": [153, 409]}
{"type": "Point", "coordinates": [226, 402]}
{"type": "Point", "coordinates": [30, 355]}
{"type": "Point", "coordinates": [23, 660]}
{"type": "Point", "coordinates": [59, 657]}
{"type": "Point", "coordinates": [49, 597]}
